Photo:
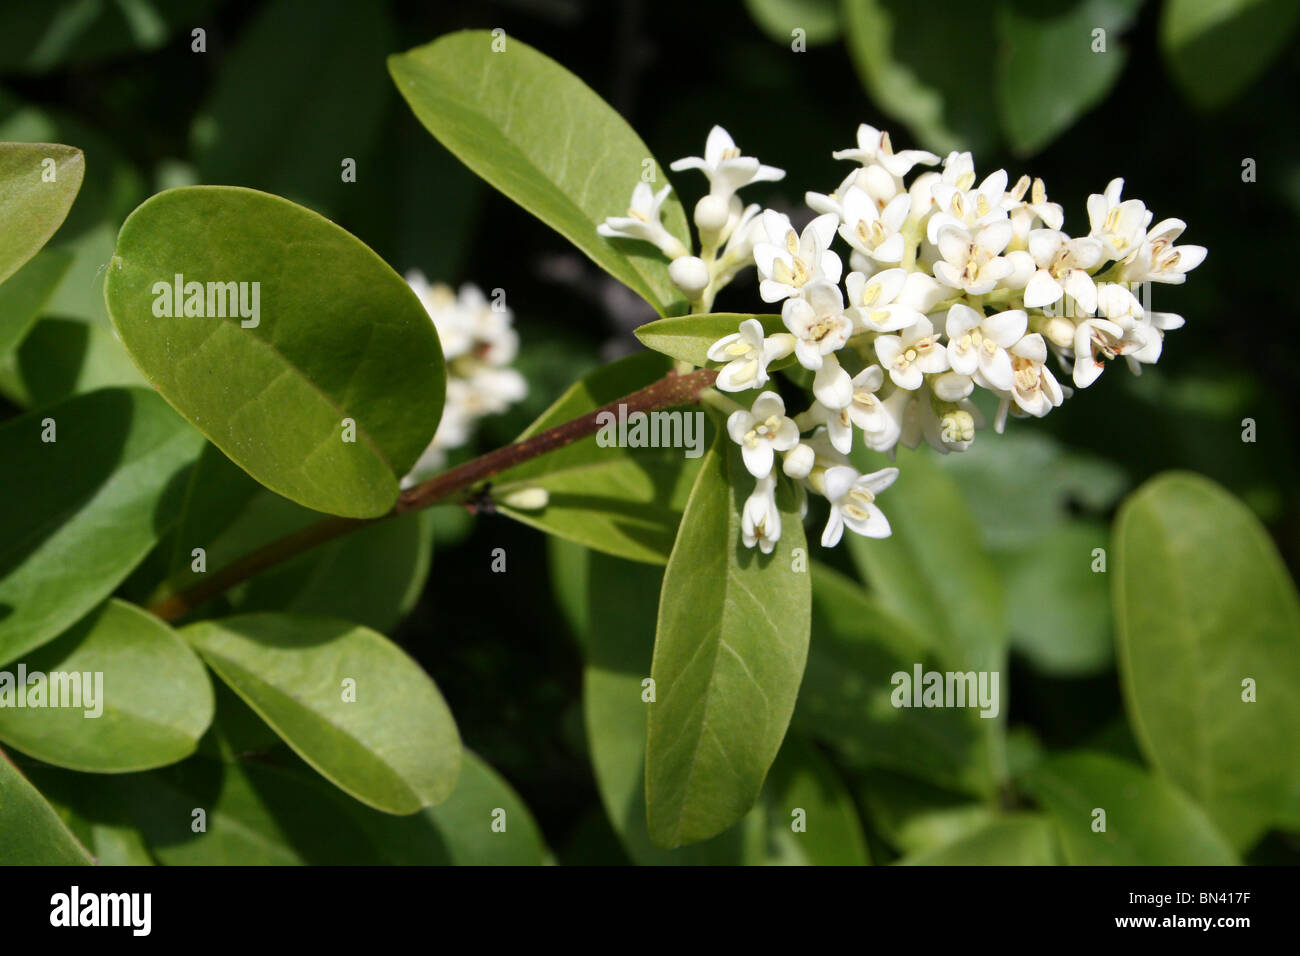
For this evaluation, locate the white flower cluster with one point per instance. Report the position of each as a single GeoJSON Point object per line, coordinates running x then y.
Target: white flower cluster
{"type": "Point", "coordinates": [955, 283]}
{"type": "Point", "coordinates": [478, 342]}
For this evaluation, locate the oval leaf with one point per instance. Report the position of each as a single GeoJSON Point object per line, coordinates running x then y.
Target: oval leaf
{"type": "Point", "coordinates": [34, 834]}
{"type": "Point", "coordinates": [79, 512]}
{"type": "Point", "coordinates": [491, 100]}
{"type": "Point", "coordinates": [1203, 604]}
{"type": "Point", "coordinates": [730, 647]}
{"type": "Point", "coordinates": [394, 746]}
{"type": "Point", "coordinates": [1148, 822]}
{"type": "Point", "coordinates": [337, 337]}
{"type": "Point", "coordinates": [134, 696]}
{"type": "Point", "coordinates": [38, 182]}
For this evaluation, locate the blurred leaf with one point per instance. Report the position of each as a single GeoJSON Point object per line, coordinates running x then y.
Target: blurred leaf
{"type": "Point", "coordinates": [914, 815]}
{"type": "Point", "coordinates": [845, 697]}
{"type": "Point", "coordinates": [293, 143]}
{"type": "Point", "coordinates": [1059, 608]}
{"type": "Point", "coordinates": [77, 514]}
{"type": "Point", "coordinates": [340, 336]}
{"type": "Point", "coordinates": [932, 571]}
{"type": "Point", "coordinates": [1019, 840]}
{"type": "Point", "coordinates": [393, 745]}
{"type": "Point", "coordinates": [38, 183]}
{"type": "Point", "coordinates": [40, 37]}
{"type": "Point", "coordinates": [689, 337]}
{"type": "Point", "coordinates": [920, 75]}
{"type": "Point", "coordinates": [1203, 602]}
{"type": "Point", "coordinates": [730, 648]}
{"type": "Point", "coordinates": [483, 823]}
{"type": "Point", "coordinates": [26, 292]}
{"type": "Point", "coordinates": [623, 501]}
{"type": "Point", "coordinates": [1048, 73]}
{"type": "Point", "coordinates": [34, 834]}
{"type": "Point", "coordinates": [819, 19]}
{"type": "Point", "coordinates": [1148, 821]}
{"type": "Point", "coordinates": [496, 112]}
{"type": "Point", "coordinates": [1025, 484]}
{"type": "Point", "coordinates": [142, 699]}
{"type": "Point", "coordinates": [60, 358]}
{"type": "Point", "coordinates": [803, 790]}
{"type": "Point", "coordinates": [1216, 48]}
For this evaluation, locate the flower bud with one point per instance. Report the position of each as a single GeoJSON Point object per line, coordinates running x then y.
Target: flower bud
{"type": "Point", "coordinates": [798, 461]}
{"type": "Point", "coordinates": [712, 214]}
{"type": "Point", "coordinates": [528, 498]}
{"type": "Point", "coordinates": [690, 274]}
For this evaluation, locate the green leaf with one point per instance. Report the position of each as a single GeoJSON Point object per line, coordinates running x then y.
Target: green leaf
{"type": "Point", "coordinates": [916, 816]}
{"type": "Point", "coordinates": [1203, 602]}
{"type": "Point", "coordinates": [97, 811]}
{"type": "Point", "coordinates": [287, 143]}
{"type": "Point", "coordinates": [730, 647]}
{"type": "Point", "coordinates": [845, 699]}
{"type": "Point", "coordinates": [1048, 72]}
{"type": "Point", "coordinates": [38, 182]}
{"type": "Point", "coordinates": [80, 512]}
{"type": "Point", "coordinates": [25, 293]}
{"type": "Point", "coordinates": [921, 76]}
{"type": "Point", "coordinates": [483, 823]}
{"type": "Point", "coordinates": [1148, 822]}
{"type": "Point", "coordinates": [142, 698]}
{"type": "Point", "coordinates": [933, 570]}
{"type": "Point", "coordinates": [34, 834]}
{"type": "Point", "coordinates": [339, 336]}
{"type": "Point", "coordinates": [1216, 48]}
{"type": "Point", "coordinates": [60, 358]}
{"type": "Point", "coordinates": [1020, 840]}
{"type": "Point", "coordinates": [572, 168]}
{"type": "Point", "coordinates": [393, 747]}
{"type": "Point", "coordinates": [819, 19]}
{"type": "Point", "coordinates": [689, 337]}
{"type": "Point", "coordinates": [620, 500]}
{"type": "Point", "coordinates": [803, 789]}
{"type": "Point", "coordinates": [1058, 607]}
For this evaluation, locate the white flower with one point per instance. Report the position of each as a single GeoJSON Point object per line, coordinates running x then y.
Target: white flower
{"type": "Point", "coordinates": [1159, 260]}
{"type": "Point", "coordinates": [742, 232]}
{"type": "Point", "coordinates": [761, 432]}
{"type": "Point", "coordinates": [748, 354]}
{"type": "Point", "coordinates": [818, 322]}
{"type": "Point", "coordinates": [798, 461]}
{"type": "Point", "coordinates": [725, 168]}
{"type": "Point", "coordinates": [974, 264]}
{"type": "Point", "coordinates": [950, 427]}
{"type": "Point", "coordinates": [874, 147]}
{"type": "Point", "coordinates": [1034, 389]}
{"type": "Point", "coordinates": [969, 210]}
{"type": "Point", "coordinates": [1062, 268]}
{"type": "Point", "coordinates": [790, 260]}
{"type": "Point", "coordinates": [978, 343]}
{"type": "Point", "coordinates": [1096, 341]}
{"type": "Point", "coordinates": [915, 352]}
{"type": "Point", "coordinates": [873, 232]}
{"type": "Point", "coordinates": [1025, 215]}
{"type": "Point", "coordinates": [868, 412]}
{"type": "Point", "coordinates": [1119, 226]}
{"type": "Point", "coordinates": [643, 222]}
{"type": "Point", "coordinates": [891, 299]}
{"type": "Point", "coordinates": [1119, 305]}
{"type": "Point", "coordinates": [839, 426]}
{"type": "Point", "coordinates": [852, 497]}
{"type": "Point", "coordinates": [760, 521]}
{"type": "Point", "coordinates": [690, 274]}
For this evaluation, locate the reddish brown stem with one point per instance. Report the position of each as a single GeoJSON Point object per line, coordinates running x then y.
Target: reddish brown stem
{"type": "Point", "coordinates": [672, 389]}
